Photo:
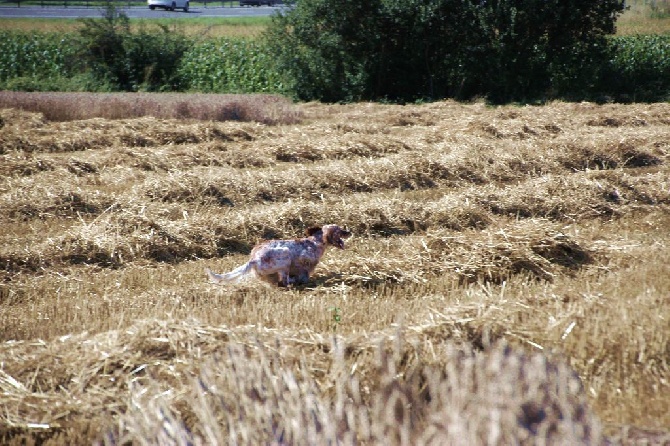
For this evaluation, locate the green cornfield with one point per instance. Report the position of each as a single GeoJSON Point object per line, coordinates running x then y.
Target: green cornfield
{"type": "Point", "coordinates": [641, 66]}
{"type": "Point", "coordinates": [24, 54]}
{"type": "Point", "coordinates": [230, 65]}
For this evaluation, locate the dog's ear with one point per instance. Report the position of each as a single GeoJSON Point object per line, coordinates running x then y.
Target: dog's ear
{"type": "Point", "coordinates": [313, 230]}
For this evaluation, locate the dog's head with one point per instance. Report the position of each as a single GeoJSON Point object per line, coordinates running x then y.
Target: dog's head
{"type": "Point", "coordinates": [331, 234]}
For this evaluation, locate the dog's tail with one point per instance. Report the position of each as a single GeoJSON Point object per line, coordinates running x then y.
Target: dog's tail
{"type": "Point", "coordinates": [234, 276]}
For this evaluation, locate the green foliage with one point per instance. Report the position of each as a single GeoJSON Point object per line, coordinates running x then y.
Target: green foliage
{"type": "Point", "coordinates": [37, 56]}
{"type": "Point", "coordinates": [530, 39]}
{"type": "Point", "coordinates": [145, 60]}
{"type": "Point", "coordinates": [430, 49]}
{"type": "Point", "coordinates": [414, 49]}
{"type": "Point", "coordinates": [102, 41]}
{"type": "Point", "coordinates": [398, 50]}
{"type": "Point", "coordinates": [228, 65]}
{"type": "Point", "coordinates": [325, 49]}
{"type": "Point", "coordinates": [639, 69]}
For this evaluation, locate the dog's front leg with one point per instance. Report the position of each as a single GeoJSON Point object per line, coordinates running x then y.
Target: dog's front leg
{"type": "Point", "coordinates": [302, 278]}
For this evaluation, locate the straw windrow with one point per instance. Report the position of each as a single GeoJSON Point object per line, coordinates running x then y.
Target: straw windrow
{"type": "Point", "coordinates": [506, 282]}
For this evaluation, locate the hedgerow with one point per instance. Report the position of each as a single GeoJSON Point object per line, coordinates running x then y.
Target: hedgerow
{"type": "Point", "coordinates": [351, 50]}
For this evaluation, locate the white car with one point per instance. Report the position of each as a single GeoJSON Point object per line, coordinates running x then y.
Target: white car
{"type": "Point", "coordinates": [168, 5]}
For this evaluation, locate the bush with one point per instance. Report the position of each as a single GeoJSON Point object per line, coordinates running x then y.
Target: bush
{"type": "Point", "coordinates": [147, 60]}
{"type": "Point", "coordinates": [413, 49]}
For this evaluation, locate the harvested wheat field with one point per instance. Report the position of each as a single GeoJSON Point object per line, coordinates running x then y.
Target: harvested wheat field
{"type": "Point", "coordinates": [507, 282]}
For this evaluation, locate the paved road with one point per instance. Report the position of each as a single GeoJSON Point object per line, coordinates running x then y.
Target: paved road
{"type": "Point", "coordinates": [136, 12]}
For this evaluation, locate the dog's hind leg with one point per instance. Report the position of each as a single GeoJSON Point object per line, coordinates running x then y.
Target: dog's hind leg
{"type": "Point", "coordinates": [284, 279]}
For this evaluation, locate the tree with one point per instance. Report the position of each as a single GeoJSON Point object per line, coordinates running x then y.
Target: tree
{"type": "Point", "coordinates": [406, 50]}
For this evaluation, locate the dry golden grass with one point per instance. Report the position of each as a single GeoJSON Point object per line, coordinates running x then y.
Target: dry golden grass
{"type": "Point", "coordinates": [246, 27]}
{"type": "Point", "coordinates": [645, 17]}
{"type": "Point", "coordinates": [507, 282]}
{"type": "Point", "coordinates": [59, 106]}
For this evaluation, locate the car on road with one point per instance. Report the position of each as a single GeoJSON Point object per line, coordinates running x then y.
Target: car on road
{"type": "Point", "coordinates": [168, 5]}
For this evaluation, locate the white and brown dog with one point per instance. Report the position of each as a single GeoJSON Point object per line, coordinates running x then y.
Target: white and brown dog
{"type": "Point", "coordinates": [287, 262]}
